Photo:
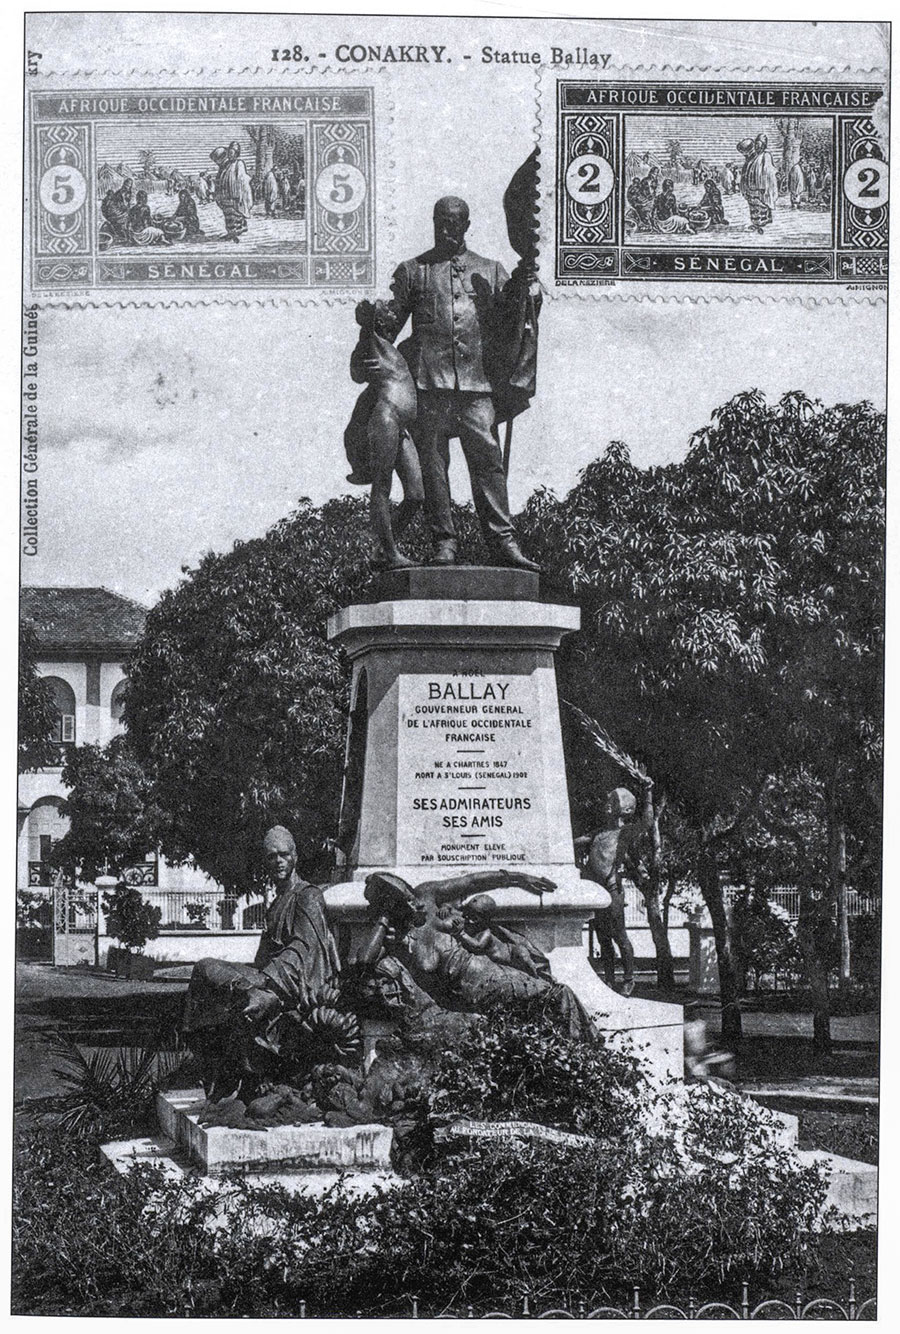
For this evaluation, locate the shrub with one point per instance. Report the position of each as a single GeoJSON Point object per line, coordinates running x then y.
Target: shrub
{"type": "Point", "coordinates": [110, 1091]}
{"type": "Point", "coordinates": [679, 1192]}
{"type": "Point", "coordinates": [82, 1243]}
{"type": "Point", "coordinates": [763, 938]}
{"type": "Point", "coordinates": [486, 1227]}
{"type": "Point", "coordinates": [517, 1062]}
{"type": "Point", "coordinates": [197, 915]}
{"type": "Point", "coordinates": [129, 919]}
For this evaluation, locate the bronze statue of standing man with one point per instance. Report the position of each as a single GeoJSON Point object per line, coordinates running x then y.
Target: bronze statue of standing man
{"type": "Point", "coordinates": [461, 306]}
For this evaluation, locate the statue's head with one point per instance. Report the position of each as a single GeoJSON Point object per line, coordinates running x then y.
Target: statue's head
{"type": "Point", "coordinates": [234, 149]}
{"type": "Point", "coordinates": [479, 911]}
{"type": "Point", "coordinates": [451, 222]}
{"type": "Point", "coordinates": [393, 898]}
{"type": "Point", "coordinates": [762, 142]}
{"type": "Point", "coordinates": [621, 804]}
{"type": "Point", "coordinates": [280, 854]}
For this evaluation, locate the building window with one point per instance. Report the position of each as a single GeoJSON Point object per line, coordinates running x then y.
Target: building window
{"type": "Point", "coordinates": [64, 700]}
{"type": "Point", "coordinates": [117, 703]}
{"type": "Point", "coordinates": [44, 826]}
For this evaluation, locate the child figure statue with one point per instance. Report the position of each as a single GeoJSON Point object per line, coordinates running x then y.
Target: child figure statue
{"type": "Point", "coordinates": [481, 933]}
{"type": "Point", "coordinates": [377, 439]}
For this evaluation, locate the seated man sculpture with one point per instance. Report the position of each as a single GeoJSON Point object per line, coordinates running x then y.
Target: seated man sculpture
{"type": "Point", "coordinates": [416, 927]}
{"type": "Point", "coordinates": [233, 1011]}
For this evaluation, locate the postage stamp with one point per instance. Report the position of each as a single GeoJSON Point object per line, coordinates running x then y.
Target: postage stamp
{"type": "Point", "coordinates": [719, 182]}
{"type": "Point", "coordinates": [220, 187]}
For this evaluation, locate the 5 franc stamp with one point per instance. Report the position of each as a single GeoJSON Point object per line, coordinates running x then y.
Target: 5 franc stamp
{"type": "Point", "coordinates": [196, 189]}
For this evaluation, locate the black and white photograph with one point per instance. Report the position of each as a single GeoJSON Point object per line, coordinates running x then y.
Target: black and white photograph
{"type": "Point", "coordinates": [451, 667]}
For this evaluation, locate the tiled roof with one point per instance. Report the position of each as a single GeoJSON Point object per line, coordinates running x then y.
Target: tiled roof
{"type": "Point", "coordinates": [80, 618]}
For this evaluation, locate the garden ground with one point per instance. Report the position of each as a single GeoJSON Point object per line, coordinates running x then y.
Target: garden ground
{"type": "Point", "coordinates": [96, 1010]}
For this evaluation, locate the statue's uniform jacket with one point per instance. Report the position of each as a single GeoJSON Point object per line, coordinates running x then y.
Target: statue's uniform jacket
{"type": "Point", "coordinates": [454, 304]}
{"type": "Point", "coordinates": [458, 308]}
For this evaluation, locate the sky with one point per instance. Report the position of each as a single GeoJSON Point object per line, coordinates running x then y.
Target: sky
{"type": "Point", "coordinates": [172, 429]}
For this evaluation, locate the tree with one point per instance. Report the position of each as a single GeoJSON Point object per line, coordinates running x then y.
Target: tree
{"type": "Point", "coordinates": [732, 615]}
{"type": "Point", "coordinates": [114, 820]}
{"type": "Point", "coordinates": [148, 159]}
{"type": "Point", "coordinates": [237, 702]}
{"type": "Point", "coordinates": [37, 707]}
{"type": "Point", "coordinates": [674, 149]}
{"type": "Point", "coordinates": [130, 920]}
{"type": "Point", "coordinates": [791, 130]}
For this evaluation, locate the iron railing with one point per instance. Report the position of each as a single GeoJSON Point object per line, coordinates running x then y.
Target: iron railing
{"type": "Point", "coordinates": [770, 1308]}
{"type": "Point", "coordinates": [782, 896]}
{"type": "Point", "coordinates": [204, 910]}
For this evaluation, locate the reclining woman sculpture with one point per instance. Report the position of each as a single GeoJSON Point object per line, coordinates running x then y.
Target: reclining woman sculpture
{"type": "Point", "coordinates": [418, 928]}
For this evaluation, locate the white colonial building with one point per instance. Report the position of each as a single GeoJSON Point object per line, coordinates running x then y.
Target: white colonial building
{"type": "Point", "coordinates": [84, 636]}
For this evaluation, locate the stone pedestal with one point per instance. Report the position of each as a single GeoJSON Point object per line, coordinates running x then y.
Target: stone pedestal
{"type": "Point", "coordinates": [454, 758]}
{"type": "Point", "coordinates": [216, 1150]}
{"type": "Point", "coordinates": [454, 763]}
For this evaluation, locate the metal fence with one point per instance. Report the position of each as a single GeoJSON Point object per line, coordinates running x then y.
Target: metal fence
{"type": "Point", "coordinates": [770, 1308]}
{"type": "Point", "coordinates": [204, 910]}
{"type": "Point", "coordinates": [782, 896]}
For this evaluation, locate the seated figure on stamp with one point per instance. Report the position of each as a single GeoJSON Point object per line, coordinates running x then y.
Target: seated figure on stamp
{"type": "Point", "coordinates": [421, 929]}
{"type": "Point", "coordinates": [612, 850]}
{"type": "Point", "coordinates": [462, 308]}
{"type": "Point", "coordinates": [378, 437]}
{"type": "Point", "coordinates": [233, 1009]}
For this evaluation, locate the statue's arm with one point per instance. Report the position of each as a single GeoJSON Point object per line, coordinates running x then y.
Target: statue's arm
{"type": "Point", "coordinates": [397, 311]}
{"type": "Point", "coordinates": [461, 886]}
{"type": "Point", "coordinates": [287, 969]}
{"type": "Point", "coordinates": [359, 372]}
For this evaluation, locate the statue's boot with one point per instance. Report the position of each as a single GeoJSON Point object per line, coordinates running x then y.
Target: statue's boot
{"type": "Point", "coordinates": [395, 561]}
{"type": "Point", "coordinates": [508, 553]}
{"type": "Point", "coordinates": [444, 553]}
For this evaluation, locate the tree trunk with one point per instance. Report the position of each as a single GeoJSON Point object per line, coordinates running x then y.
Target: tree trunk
{"type": "Point", "coordinates": [665, 964]}
{"type": "Point", "coordinates": [837, 868]}
{"type": "Point", "coordinates": [811, 927]}
{"type": "Point", "coordinates": [791, 133]}
{"type": "Point", "coordinates": [711, 889]}
{"type": "Point", "coordinates": [651, 890]}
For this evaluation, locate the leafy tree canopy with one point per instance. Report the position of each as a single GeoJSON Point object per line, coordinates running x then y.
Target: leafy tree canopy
{"type": "Point", "coordinates": [37, 709]}
{"type": "Point", "coordinates": [731, 603]}
{"type": "Point", "coordinates": [114, 819]}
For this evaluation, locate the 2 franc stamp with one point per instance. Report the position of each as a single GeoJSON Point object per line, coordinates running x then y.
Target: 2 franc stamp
{"type": "Point", "coordinates": [228, 188]}
{"type": "Point", "coordinates": [738, 182]}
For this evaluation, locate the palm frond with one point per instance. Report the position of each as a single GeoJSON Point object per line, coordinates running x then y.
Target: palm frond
{"type": "Point", "coordinates": [604, 742]}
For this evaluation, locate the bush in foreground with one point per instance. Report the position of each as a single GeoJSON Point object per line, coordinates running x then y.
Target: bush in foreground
{"type": "Point", "coordinates": [679, 1193]}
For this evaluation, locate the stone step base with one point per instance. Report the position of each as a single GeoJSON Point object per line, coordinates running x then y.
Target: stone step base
{"type": "Point", "coordinates": [160, 1151]}
{"type": "Point", "coordinates": [215, 1150]}
{"type": "Point", "coordinates": [852, 1187]}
